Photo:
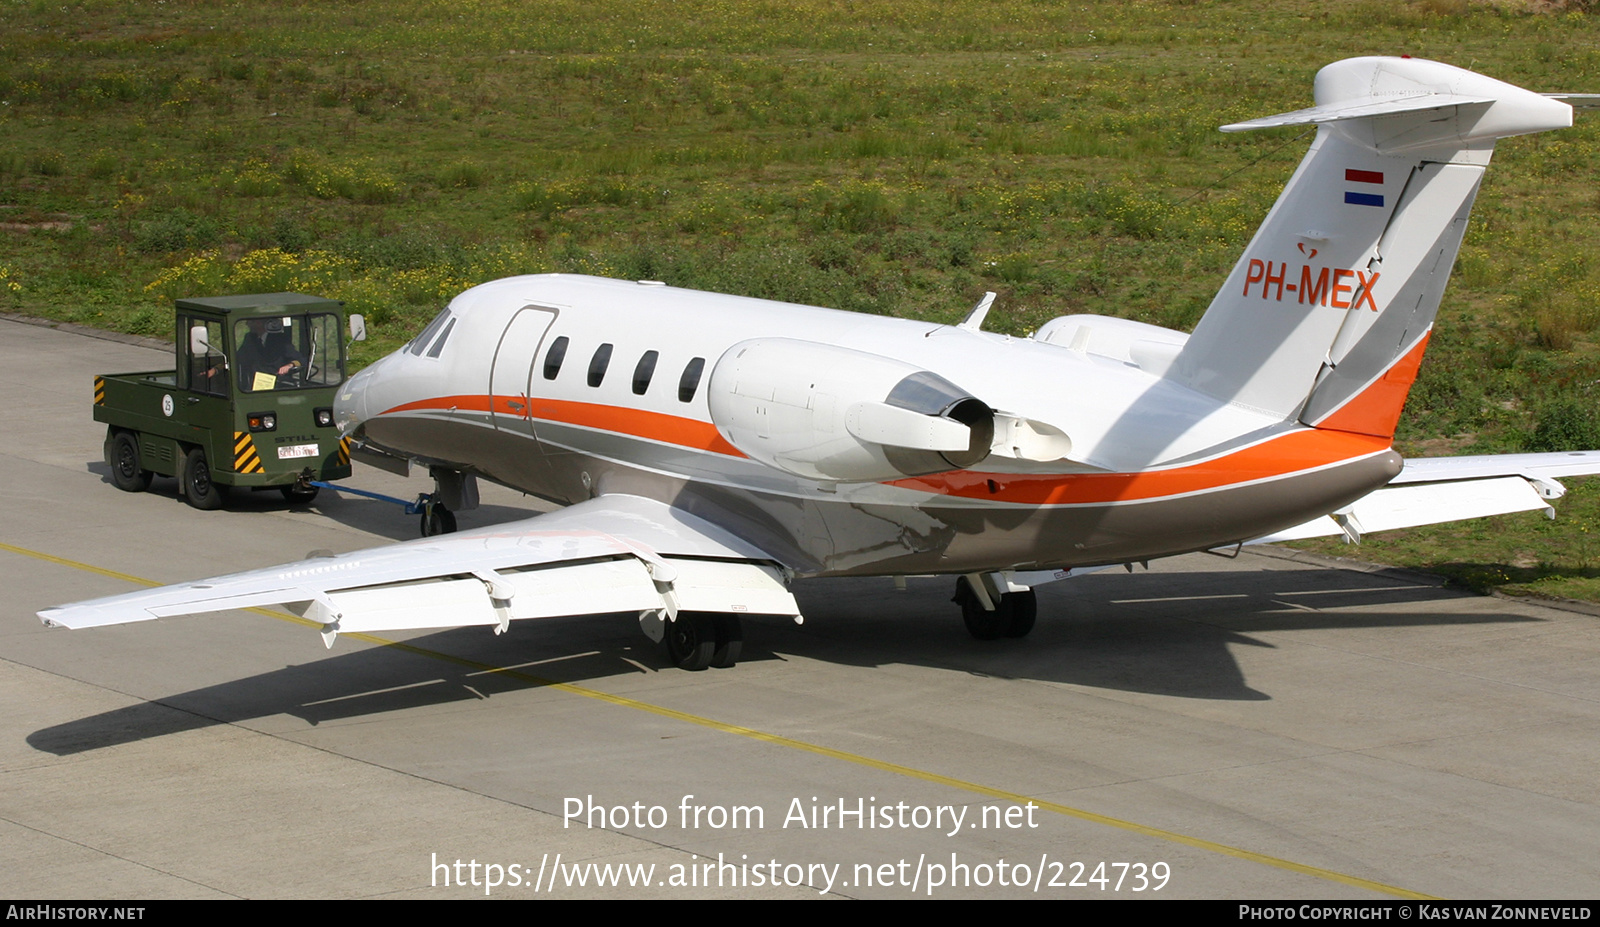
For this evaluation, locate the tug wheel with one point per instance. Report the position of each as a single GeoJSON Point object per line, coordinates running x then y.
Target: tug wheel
{"type": "Point", "coordinates": [198, 488]}
{"type": "Point", "coordinates": [122, 456]}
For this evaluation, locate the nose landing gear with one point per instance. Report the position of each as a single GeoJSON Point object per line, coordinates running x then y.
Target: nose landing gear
{"type": "Point", "coordinates": [436, 519]}
{"type": "Point", "coordinates": [452, 489]}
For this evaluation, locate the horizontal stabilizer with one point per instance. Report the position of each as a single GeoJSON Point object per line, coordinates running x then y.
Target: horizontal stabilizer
{"type": "Point", "coordinates": [1421, 504]}
{"type": "Point", "coordinates": [1548, 466]}
{"type": "Point", "coordinates": [1404, 102]}
{"type": "Point", "coordinates": [1433, 490]}
{"type": "Point", "coordinates": [1344, 109]}
{"type": "Point", "coordinates": [1577, 100]}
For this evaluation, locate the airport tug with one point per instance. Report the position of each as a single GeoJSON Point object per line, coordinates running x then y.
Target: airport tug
{"type": "Point", "coordinates": [249, 404]}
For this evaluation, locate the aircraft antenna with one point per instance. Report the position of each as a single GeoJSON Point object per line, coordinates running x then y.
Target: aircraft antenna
{"type": "Point", "coordinates": [974, 320]}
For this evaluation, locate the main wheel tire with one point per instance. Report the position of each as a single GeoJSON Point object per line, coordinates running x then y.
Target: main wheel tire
{"type": "Point", "coordinates": [122, 455]}
{"type": "Point", "coordinates": [981, 623]}
{"type": "Point", "coordinates": [296, 495]}
{"type": "Point", "coordinates": [436, 519]}
{"type": "Point", "coordinates": [1013, 614]}
{"type": "Point", "coordinates": [1024, 609]}
{"type": "Point", "coordinates": [730, 640]}
{"type": "Point", "coordinates": [691, 640]}
{"type": "Point", "coordinates": [198, 489]}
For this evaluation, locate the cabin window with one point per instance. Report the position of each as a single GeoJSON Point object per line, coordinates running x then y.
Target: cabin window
{"type": "Point", "coordinates": [643, 372]}
{"type": "Point", "coordinates": [553, 359]}
{"type": "Point", "coordinates": [690, 381]}
{"type": "Point", "coordinates": [598, 364]}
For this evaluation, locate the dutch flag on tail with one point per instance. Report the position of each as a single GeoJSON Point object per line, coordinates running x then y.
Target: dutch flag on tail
{"type": "Point", "coordinates": [1357, 198]}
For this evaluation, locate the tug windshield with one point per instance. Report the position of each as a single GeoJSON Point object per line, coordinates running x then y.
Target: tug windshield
{"type": "Point", "coordinates": [288, 352]}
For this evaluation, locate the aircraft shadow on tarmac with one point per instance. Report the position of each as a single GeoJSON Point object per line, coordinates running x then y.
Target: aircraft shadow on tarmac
{"type": "Point", "coordinates": [1161, 634]}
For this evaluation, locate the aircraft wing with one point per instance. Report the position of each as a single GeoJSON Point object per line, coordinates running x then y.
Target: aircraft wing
{"type": "Point", "coordinates": [614, 553]}
{"type": "Point", "coordinates": [1432, 490]}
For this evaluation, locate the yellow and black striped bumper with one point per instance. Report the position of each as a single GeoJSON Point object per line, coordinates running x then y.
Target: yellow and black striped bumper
{"type": "Point", "coordinates": [245, 457]}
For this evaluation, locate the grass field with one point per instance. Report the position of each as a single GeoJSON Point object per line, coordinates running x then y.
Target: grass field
{"type": "Point", "coordinates": [895, 157]}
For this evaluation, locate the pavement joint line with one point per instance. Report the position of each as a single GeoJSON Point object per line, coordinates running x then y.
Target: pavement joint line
{"type": "Point", "coordinates": [117, 856]}
{"type": "Point", "coordinates": [793, 744]}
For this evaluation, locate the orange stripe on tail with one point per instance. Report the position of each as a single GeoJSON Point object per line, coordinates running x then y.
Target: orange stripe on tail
{"type": "Point", "coordinates": [1376, 410]}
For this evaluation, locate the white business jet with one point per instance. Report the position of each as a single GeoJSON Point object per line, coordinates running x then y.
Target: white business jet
{"type": "Point", "coordinates": [710, 448]}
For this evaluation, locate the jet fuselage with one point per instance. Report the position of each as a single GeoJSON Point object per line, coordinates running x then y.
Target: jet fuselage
{"type": "Point", "coordinates": [569, 387]}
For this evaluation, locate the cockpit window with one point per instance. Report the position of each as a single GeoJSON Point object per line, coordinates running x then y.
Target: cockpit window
{"type": "Point", "coordinates": [420, 343]}
{"type": "Point", "coordinates": [598, 364]}
{"type": "Point", "coordinates": [443, 337]}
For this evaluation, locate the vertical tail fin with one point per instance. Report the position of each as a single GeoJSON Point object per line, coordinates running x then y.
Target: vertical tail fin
{"type": "Point", "coordinates": [1327, 313]}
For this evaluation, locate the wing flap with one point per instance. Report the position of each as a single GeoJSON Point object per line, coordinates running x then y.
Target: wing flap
{"type": "Point", "coordinates": [718, 586]}
{"type": "Point", "coordinates": [495, 599]}
{"type": "Point", "coordinates": [584, 589]}
{"type": "Point", "coordinates": [410, 606]}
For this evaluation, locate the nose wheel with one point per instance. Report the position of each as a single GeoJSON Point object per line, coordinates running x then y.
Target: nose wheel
{"type": "Point", "coordinates": [459, 489]}
{"type": "Point", "coordinates": [436, 519]}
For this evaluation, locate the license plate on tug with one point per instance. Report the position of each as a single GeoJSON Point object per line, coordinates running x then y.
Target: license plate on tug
{"type": "Point", "coordinates": [292, 451]}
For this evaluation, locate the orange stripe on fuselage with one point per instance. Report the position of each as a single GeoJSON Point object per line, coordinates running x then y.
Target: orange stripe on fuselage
{"type": "Point", "coordinates": [1280, 456]}
{"type": "Point", "coordinates": [657, 426]}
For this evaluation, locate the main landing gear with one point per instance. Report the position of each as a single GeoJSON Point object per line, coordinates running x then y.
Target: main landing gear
{"type": "Point", "coordinates": [696, 640]}
{"type": "Point", "coordinates": [991, 614]}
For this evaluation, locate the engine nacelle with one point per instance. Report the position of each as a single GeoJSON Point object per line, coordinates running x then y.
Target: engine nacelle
{"type": "Point", "coordinates": [840, 415]}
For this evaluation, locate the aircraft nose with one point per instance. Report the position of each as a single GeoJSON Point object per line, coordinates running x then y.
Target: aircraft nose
{"type": "Point", "coordinates": [350, 405]}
